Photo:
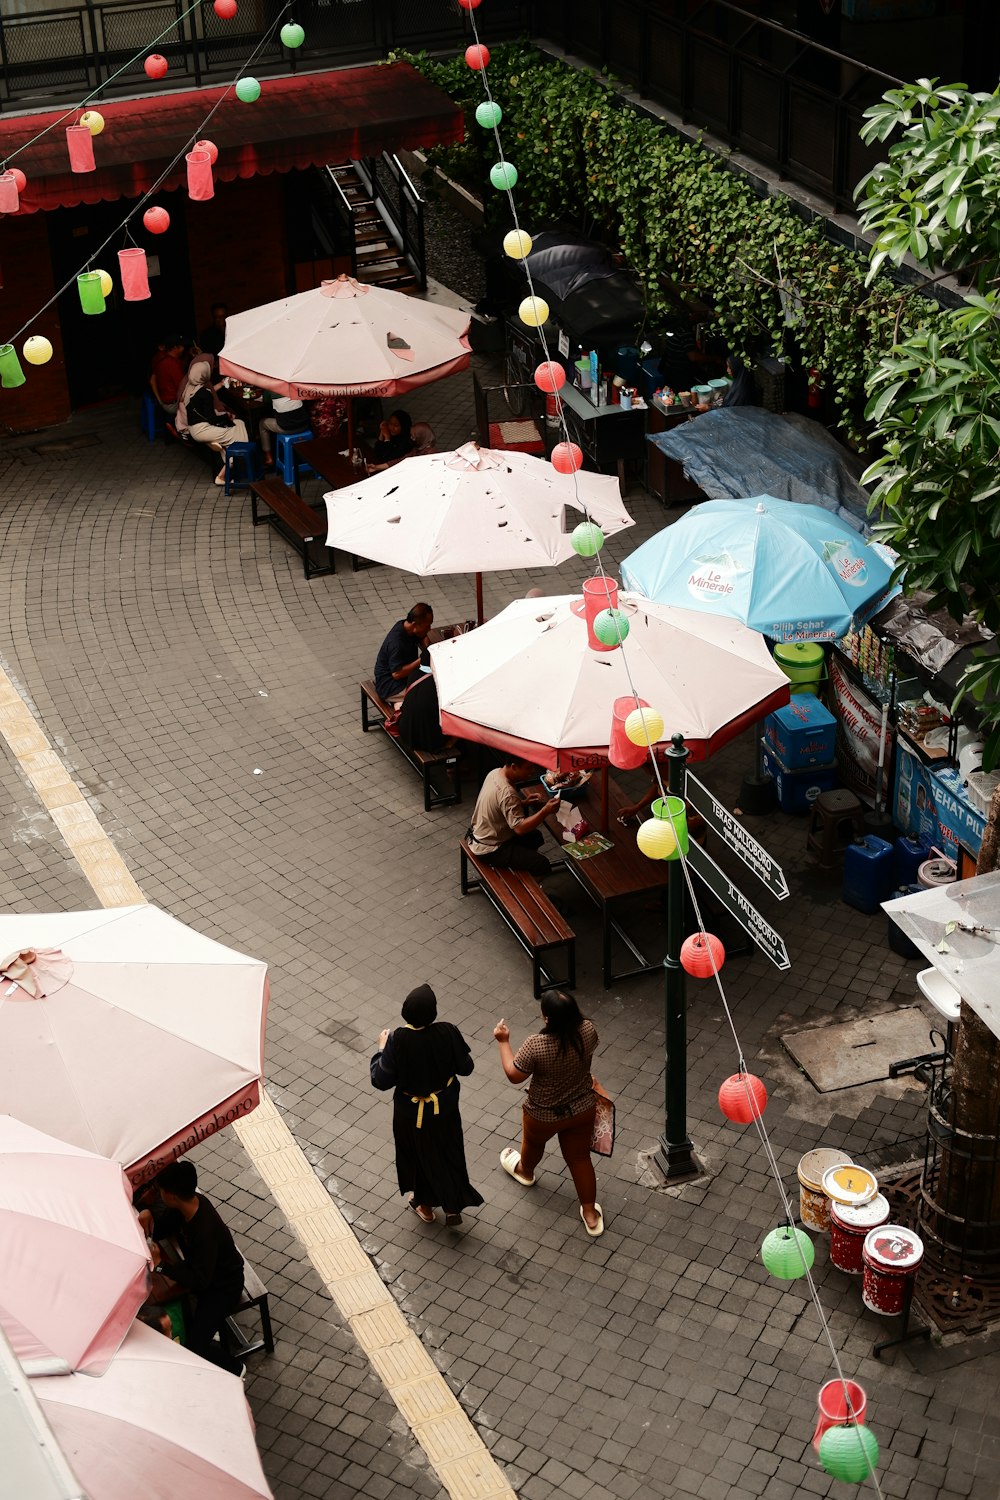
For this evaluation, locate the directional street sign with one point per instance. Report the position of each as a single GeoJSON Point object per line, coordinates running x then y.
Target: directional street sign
{"type": "Point", "coordinates": [733, 899]}
{"type": "Point", "coordinates": [735, 836]}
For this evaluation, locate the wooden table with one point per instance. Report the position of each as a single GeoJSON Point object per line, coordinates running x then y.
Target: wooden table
{"type": "Point", "coordinates": [612, 877]}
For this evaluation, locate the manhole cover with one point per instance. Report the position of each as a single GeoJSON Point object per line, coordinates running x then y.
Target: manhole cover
{"type": "Point", "coordinates": [841, 1057]}
{"type": "Point", "coordinates": [57, 447]}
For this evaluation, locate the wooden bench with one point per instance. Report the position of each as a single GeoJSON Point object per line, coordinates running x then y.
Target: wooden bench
{"type": "Point", "coordinates": [254, 1296]}
{"type": "Point", "coordinates": [530, 915]}
{"type": "Point", "coordinates": [423, 761]}
{"type": "Point", "coordinates": [301, 526]}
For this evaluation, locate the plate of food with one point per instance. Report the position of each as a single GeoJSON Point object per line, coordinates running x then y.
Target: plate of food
{"type": "Point", "coordinates": [570, 786]}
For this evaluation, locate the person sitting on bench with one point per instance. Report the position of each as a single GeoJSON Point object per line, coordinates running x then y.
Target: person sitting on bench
{"type": "Point", "coordinates": [419, 723]}
{"type": "Point", "coordinates": [289, 416]}
{"type": "Point", "coordinates": [503, 833]}
{"type": "Point", "coordinates": [206, 421]}
{"type": "Point", "coordinates": [399, 654]}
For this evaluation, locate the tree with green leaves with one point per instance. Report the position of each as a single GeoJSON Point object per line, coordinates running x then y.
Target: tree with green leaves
{"type": "Point", "coordinates": [935, 395]}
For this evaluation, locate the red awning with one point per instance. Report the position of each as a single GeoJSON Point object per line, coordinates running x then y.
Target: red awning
{"type": "Point", "coordinates": [302, 121]}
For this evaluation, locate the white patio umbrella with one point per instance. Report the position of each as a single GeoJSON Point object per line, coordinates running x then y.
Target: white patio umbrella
{"type": "Point", "coordinates": [475, 510]}
{"type": "Point", "coordinates": [160, 1423]}
{"type": "Point", "coordinates": [127, 1033]}
{"type": "Point", "coordinates": [527, 682]}
{"type": "Point", "coordinates": [73, 1258]}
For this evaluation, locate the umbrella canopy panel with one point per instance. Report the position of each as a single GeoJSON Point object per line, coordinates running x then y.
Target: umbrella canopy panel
{"type": "Point", "coordinates": [111, 999]}
{"type": "Point", "coordinates": [344, 338]}
{"type": "Point", "coordinates": [471, 511]}
{"type": "Point", "coordinates": [794, 572]}
{"type": "Point", "coordinates": [73, 1258]}
{"type": "Point", "coordinates": [528, 682]}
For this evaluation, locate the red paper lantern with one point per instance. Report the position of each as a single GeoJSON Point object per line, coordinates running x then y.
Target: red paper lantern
{"type": "Point", "coordinates": [81, 148]}
{"type": "Point", "coordinates": [478, 57]}
{"type": "Point", "coordinates": [742, 1098]}
{"type": "Point", "coordinates": [9, 200]}
{"type": "Point", "coordinates": [155, 65]}
{"type": "Point", "coordinates": [156, 220]}
{"type": "Point", "coordinates": [199, 176]}
{"type": "Point", "coordinates": [697, 953]}
{"type": "Point", "coordinates": [469, 4]}
{"type": "Point", "coordinates": [210, 147]}
{"type": "Point", "coordinates": [566, 458]}
{"type": "Point", "coordinates": [135, 277]}
{"type": "Point", "coordinates": [550, 377]}
{"type": "Point", "coordinates": [225, 9]}
{"type": "Point", "coordinates": [19, 178]}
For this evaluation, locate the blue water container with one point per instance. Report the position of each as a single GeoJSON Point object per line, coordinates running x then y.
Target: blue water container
{"type": "Point", "coordinates": [908, 854]}
{"type": "Point", "coordinates": [868, 877]}
{"type": "Point", "coordinates": [898, 941]}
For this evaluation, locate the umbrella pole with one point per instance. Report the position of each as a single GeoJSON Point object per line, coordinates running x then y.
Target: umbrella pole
{"type": "Point", "coordinates": [350, 428]}
{"type": "Point", "coordinates": [479, 598]}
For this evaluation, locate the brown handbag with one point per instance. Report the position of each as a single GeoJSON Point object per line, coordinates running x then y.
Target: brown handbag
{"type": "Point", "coordinates": [602, 1141]}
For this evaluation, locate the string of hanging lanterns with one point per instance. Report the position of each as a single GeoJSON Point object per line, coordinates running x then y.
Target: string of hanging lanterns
{"type": "Point", "coordinates": [95, 286]}
{"type": "Point", "coordinates": [847, 1449]}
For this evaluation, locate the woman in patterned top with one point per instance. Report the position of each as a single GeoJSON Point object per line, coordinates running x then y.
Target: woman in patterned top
{"type": "Point", "coordinates": [560, 1099]}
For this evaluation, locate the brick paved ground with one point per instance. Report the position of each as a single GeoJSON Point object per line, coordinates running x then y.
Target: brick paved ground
{"type": "Point", "coordinates": [170, 651]}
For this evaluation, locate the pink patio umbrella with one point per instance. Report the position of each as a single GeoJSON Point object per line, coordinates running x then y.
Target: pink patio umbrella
{"type": "Point", "coordinates": [73, 1258]}
{"type": "Point", "coordinates": [344, 338]}
{"type": "Point", "coordinates": [127, 1033]}
{"type": "Point", "coordinates": [161, 1424]}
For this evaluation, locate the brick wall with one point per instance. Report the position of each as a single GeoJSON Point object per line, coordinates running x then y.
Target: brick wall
{"type": "Point", "coordinates": [26, 271]}
{"type": "Point", "coordinates": [237, 246]}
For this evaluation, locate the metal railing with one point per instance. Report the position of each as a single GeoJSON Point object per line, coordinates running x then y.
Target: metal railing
{"type": "Point", "coordinates": [399, 206]}
{"type": "Point", "coordinates": [342, 215]}
{"type": "Point", "coordinates": [59, 54]}
{"type": "Point", "coordinates": [763, 89]}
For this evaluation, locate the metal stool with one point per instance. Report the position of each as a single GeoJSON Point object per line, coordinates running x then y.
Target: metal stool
{"type": "Point", "coordinates": [286, 461]}
{"type": "Point", "coordinates": [151, 417]}
{"type": "Point", "coordinates": [836, 820]}
{"type": "Point", "coordinates": [248, 456]}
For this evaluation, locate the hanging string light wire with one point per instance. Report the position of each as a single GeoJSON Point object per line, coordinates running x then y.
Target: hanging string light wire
{"type": "Point", "coordinates": [123, 224]}
{"type": "Point", "coordinates": [675, 824]}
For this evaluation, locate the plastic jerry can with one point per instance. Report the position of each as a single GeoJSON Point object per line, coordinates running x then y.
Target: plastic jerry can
{"type": "Point", "coordinates": [908, 854]}
{"type": "Point", "coordinates": [867, 873]}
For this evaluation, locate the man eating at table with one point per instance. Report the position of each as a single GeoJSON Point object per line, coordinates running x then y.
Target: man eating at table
{"type": "Point", "coordinates": [399, 654]}
{"type": "Point", "coordinates": [503, 832]}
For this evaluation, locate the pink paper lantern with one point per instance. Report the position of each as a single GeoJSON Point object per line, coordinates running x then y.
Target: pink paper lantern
{"type": "Point", "coordinates": [135, 279]}
{"type": "Point", "coordinates": [199, 176]}
{"type": "Point", "coordinates": [566, 458]}
{"type": "Point", "coordinates": [550, 377]}
{"type": "Point", "coordinates": [9, 200]}
{"type": "Point", "coordinates": [210, 147]}
{"type": "Point", "coordinates": [156, 220]}
{"type": "Point", "coordinates": [81, 148]}
{"type": "Point", "coordinates": [225, 9]}
{"type": "Point", "coordinates": [19, 178]}
{"type": "Point", "coordinates": [742, 1098]}
{"type": "Point", "coordinates": [623, 752]}
{"type": "Point", "coordinates": [697, 953]}
{"type": "Point", "coordinates": [469, 4]}
{"type": "Point", "coordinates": [477, 57]}
{"type": "Point", "coordinates": [155, 65]}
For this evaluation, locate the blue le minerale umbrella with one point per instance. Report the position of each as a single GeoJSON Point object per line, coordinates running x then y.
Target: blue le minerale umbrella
{"type": "Point", "coordinates": [794, 572]}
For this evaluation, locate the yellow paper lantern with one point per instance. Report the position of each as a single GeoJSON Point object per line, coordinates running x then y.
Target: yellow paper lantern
{"type": "Point", "coordinates": [517, 244]}
{"type": "Point", "coordinates": [655, 838]}
{"type": "Point", "coordinates": [644, 726]}
{"type": "Point", "coordinates": [94, 121]}
{"type": "Point", "coordinates": [107, 285]}
{"type": "Point", "coordinates": [534, 311]}
{"type": "Point", "coordinates": [37, 350]}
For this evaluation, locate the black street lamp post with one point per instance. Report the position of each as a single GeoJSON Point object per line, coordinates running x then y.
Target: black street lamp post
{"type": "Point", "coordinates": [675, 1154]}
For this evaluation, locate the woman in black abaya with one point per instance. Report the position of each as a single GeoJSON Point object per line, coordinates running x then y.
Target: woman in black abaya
{"type": "Point", "coordinates": [423, 1061]}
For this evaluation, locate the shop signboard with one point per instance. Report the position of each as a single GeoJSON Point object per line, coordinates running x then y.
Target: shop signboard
{"type": "Point", "coordinates": [931, 804]}
{"type": "Point", "coordinates": [734, 901]}
{"type": "Point", "coordinates": [859, 725]}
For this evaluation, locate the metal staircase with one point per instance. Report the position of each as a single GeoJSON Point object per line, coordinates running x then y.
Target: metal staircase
{"type": "Point", "coordinates": [381, 213]}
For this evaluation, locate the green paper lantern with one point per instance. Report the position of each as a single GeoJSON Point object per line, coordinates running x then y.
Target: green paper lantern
{"type": "Point", "coordinates": [787, 1253]}
{"type": "Point", "coordinates": [849, 1453]}
{"type": "Point", "coordinates": [488, 114]}
{"type": "Point", "coordinates": [611, 627]}
{"type": "Point", "coordinates": [587, 539]}
{"type": "Point", "coordinates": [11, 373]}
{"type": "Point", "coordinates": [248, 90]}
{"type": "Point", "coordinates": [673, 811]}
{"type": "Point", "coordinates": [292, 35]}
{"type": "Point", "coordinates": [503, 175]}
{"type": "Point", "coordinates": [91, 290]}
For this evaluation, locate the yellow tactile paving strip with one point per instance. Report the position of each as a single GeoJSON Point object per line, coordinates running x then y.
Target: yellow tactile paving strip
{"type": "Point", "coordinates": [453, 1447]}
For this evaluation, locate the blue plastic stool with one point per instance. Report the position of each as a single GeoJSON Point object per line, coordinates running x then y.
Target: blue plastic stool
{"type": "Point", "coordinates": [151, 417]}
{"type": "Point", "coordinates": [285, 460]}
{"type": "Point", "coordinates": [246, 455]}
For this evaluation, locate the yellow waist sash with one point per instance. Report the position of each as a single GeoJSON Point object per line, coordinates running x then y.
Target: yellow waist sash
{"type": "Point", "coordinates": [420, 1100]}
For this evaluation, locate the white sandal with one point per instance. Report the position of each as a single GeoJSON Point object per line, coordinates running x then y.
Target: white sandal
{"type": "Point", "coordinates": [509, 1159]}
{"type": "Point", "coordinates": [599, 1227]}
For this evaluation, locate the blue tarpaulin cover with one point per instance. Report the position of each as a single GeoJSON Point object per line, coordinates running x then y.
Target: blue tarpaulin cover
{"type": "Point", "coordinates": [741, 450]}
